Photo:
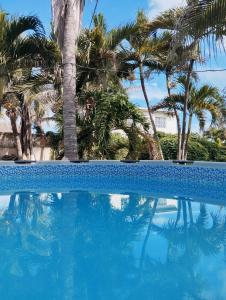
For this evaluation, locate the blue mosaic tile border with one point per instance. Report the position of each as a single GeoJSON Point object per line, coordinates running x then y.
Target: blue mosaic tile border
{"type": "Point", "coordinates": [194, 173]}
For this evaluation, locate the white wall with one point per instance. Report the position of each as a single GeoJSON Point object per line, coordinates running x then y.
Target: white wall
{"type": "Point", "coordinates": [170, 121]}
{"type": "Point", "coordinates": [7, 147]}
{"type": "Point", "coordinates": [40, 153]}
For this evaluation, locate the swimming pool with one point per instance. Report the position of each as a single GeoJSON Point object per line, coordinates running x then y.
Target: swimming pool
{"type": "Point", "coordinates": [113, 231]}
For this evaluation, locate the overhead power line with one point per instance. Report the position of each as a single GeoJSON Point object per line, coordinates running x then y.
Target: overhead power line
{"type": "Point", "coordinates": [153, 72]}
{"type": "Point", "coordinates": [93, 14]}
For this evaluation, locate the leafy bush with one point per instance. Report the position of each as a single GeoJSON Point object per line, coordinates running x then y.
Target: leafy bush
{"type": "Point", "coordinates": [212, 148]}
{"type": "Point", "coordinates": [197, 151]}
{"type": "Point", "coordinates": [169, 147]}
{"type": "Point", "coordinates": [117, 147]}
{"type": "Point", "coordinates": [221, 156]}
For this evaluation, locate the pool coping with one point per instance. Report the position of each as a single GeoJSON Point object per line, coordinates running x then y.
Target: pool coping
{"type": "Point", "coordinates": [203, 164]}
{"type": "Point", "coordinates": [152, 169]}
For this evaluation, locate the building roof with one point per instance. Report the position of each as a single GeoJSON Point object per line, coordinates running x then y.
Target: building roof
{"type": "Point", "coordinates": [143, 109]}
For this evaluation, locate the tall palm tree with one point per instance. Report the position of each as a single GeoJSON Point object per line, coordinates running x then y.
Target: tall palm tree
{"type": "Point", "coordinates": [67, 17]}
{"type": "Point", "coordinates": [201, 100]}
{"type": "Point", "coordinates": [182, 54]}
{"type": "Point", "coordinates": [143, 53]}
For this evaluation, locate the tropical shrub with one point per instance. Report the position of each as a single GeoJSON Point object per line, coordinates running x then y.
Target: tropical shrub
{"type": "Point", "coordinates": [199, 148]}
{"type": "Point", "coordinates": [197, 151]}
{"type": "Point", "coordinates": [117, 147]}
{"type": "Point", "coordinates": [169, 147]}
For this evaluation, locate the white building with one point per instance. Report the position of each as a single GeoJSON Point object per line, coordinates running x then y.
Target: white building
{"type": "Point", "coordinates": [7, 146]}
{"type": "Point", "coordinates": [164, 121]}
{"type": "Point", "coordinates": [5, 125]}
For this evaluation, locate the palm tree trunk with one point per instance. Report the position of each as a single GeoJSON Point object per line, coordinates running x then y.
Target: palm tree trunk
{"type": "Point", "coordinates": [186, 99]}
{"type": "Point", "coordinates": [29, 133]}
{"type": "Point", "coordinates": [143, 250]}
{"type": "Point", "coordinates": [178, 213]}
{"type": "Point", "coordinates": [177, 118]}
{"type": "Point", "coordinates": [26, 133]}
{"type": "Point", "coordinates": [16, 135]}
{"type": "Point", "coordinates": [150, 141]}
{"type": "Point", "coordinates": [159, 154]}
{"type": "Point", "coordinates": [188, 135]}
{"type": "Point", "coordinates": [185, 217]}
{"type": "Point", "coordinates": [23, 129]}
{"type": "Point", "coordinates": [190, 213]}
{"type": "Point", "coordinates": [73, 11]}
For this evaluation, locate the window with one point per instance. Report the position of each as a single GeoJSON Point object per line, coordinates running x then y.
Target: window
{"type": "Point", "coordinates": [160, 122]}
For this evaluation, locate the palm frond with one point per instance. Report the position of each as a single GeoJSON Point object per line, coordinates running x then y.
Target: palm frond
{"type": "Point", "coordinates": [21, 25]}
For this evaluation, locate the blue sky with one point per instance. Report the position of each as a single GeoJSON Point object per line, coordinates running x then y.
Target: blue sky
{"type": "Point", "coordinates": [118, 12]}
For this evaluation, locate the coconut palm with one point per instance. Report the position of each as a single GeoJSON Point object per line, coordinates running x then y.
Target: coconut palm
{"type": "Point", "coordinates": [206, 99]}
{"type": "Point", "coordinates": [67, 17]}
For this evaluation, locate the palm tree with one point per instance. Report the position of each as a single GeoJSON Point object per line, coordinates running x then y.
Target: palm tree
{"type": "Point", "coordinates": [100, 94]}
{"type": "Point", "coordinates": [182, 55]}
{"type": "Point", "coordinates": [11, 104]}
{"type": "Point", "coordinates": [206, 18]}
{"type": "Point", "coordinates": [102, 112]}
{"type": "Point", "coordinates": [143, 53]}
{"type": "Point", "coordinates": [99, 61]}
{"type": "Point", "coordinates": [21, 41]}
{"type": "Point", "coordinates": [22, 46]}
{"type": "Point", "coordinates": [67, 17]}
{"type": "Point", "coordinates": [201, 100]}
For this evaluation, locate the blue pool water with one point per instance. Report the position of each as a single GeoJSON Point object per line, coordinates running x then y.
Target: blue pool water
{"type": "Point", "coordinates": [112, 238]}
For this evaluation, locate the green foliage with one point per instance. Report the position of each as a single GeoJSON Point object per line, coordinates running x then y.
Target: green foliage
{"type": "Point", "coordinates": [117, 147]}
{"type": "Point", "coordinates": [169, 147]}
{"type": "Point", "coordinates": [108, 110]}
{"type": "Point", "coordinates": [197, 151]}
{"type": "Point", "coordinates": [199, 148]}
{"type": "Point", "coordinates": [212, 148]}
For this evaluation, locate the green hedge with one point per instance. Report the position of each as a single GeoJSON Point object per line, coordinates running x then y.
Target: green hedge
{"type": "Point", "coordinates": [169, 147]}
{"type": "Point", "coordinates": [196, 150]}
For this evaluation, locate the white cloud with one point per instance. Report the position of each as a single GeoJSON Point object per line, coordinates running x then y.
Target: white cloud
{"type": "Point", "coordinates": [213, 78]}
{"type": "Point", "coordinates": [157, 6]}
{"type": "Point", "coordinates": [154, 92]}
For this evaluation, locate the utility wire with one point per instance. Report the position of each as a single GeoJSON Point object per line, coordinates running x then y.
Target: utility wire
{"type": "Point", "coordinates": [153, 72]}
{"type": "Point", "coordinates": [93, 14]}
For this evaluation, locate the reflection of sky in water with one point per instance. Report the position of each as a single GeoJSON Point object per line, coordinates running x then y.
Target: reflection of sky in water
{"type": "Point", "coordinates": [107, 245]}
{"type": "Point", "coordinates": [4, 202]}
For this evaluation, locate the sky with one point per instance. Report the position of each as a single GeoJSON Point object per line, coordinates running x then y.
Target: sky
{"type": "Point", "coordinates": [119, 12]}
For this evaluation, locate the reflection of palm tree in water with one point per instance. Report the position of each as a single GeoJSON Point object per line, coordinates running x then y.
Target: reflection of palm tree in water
{"type": "Point", "coordinates": [105, 236]}
{"type": "Point", "coordinates": [85, 246]}
{"type": "Point", "coordinates": [80, 243]}
{"type": "Point", "coordinates": [144, 246]}
{"type": "Point", "coordinates": [186, 240]}
{"type": "Point", "coordinates": [26, 247]}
